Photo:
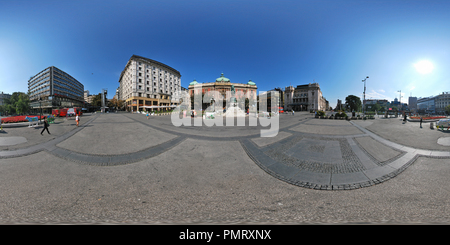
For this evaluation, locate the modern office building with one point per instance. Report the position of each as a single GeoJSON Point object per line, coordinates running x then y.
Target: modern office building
{"type": "Point", "coordinates": [306, 97]}
{"type": "Point", "coordinates": [147, 85]}
{"type": "Point", "coordinates": [426, 105]}
{"type": "Point", "coordinates": [412, 104]}
{"type": "Point", "coordinates": [53, 88]}
{"type": "Point", "coordinates": [224, 87]}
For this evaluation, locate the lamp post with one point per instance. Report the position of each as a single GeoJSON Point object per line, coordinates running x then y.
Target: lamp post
{"type": "Point", "coordinates": [400, 99]}
{"type": "Point", "coordinates": [364, 95]}
{"type": "Point", "coordinates": [40, 108]}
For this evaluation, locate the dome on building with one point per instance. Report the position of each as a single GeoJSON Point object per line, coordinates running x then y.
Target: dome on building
{"type": "Point", "coordinates": [222, 79]}
{"type": "Point", "coordinates": [251, 83]}
{"type": "Point", "coordinates": [193, 82]}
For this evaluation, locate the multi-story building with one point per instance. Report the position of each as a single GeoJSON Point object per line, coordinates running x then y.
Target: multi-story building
{"type": "Point", "coordinates": [224, 87]}
{"type": "Point", "coordinates": [306, 97]}
{"type": "Point", "coordinates": [426, 105]}
{"type": "Point", "coordinates": [147, 85]}
{"type": "Point", "coordinates": [54, 88]}
{"type": "Point", "coordinates": [4, 96]}
{"type": "Point", "coordinates": [412, 104]}
{"type": "Point", "coordinates": [442, 101]}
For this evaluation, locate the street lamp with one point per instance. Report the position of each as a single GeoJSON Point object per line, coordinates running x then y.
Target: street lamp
{"type": "Point", "coordinates": [400, 99]}
{"type": "Point", "coordinates": [40, 108]}
{"type": "Point", "coordinates": [364, 94]}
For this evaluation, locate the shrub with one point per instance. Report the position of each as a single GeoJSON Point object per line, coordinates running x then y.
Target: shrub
{"type": "Point", "coordinates": [321, 113]}
{"type": "Point", "coordinates": [342, 114]}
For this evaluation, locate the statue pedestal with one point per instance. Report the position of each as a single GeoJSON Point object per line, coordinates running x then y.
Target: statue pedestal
{"type": "Point", "coordinates": [234, 111]}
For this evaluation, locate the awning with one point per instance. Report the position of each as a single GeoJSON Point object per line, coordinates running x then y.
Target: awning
{"type": "Point", "coordinates": [154, 106]}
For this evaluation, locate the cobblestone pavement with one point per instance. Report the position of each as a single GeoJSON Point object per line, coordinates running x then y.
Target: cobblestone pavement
{"type": "Point", "coordinates": [126, 168]}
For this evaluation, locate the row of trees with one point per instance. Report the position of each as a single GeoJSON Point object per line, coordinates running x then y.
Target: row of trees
{"type": "Point", "coordinates": [353, 103]}
{"type": "Point", "coordinates": [18, 103]}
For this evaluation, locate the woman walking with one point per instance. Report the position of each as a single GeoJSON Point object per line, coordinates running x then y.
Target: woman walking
{"type": "Point", "coordinates": [77, 119]}
{"type": "Point", "coordinates": [45, 126]}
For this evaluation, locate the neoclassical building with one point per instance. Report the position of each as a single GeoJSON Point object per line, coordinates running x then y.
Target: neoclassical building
{"type": "Point", "coordinates": [147, 85]}
{"type": "Point", "coordinates": [306, 97]}
{"type": "Point", "coordinates": [224, 88]}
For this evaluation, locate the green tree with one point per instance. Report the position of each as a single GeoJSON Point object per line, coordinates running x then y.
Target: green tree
{"type": "Point", "coordinates": [373, 107]}
{"type": "Point", "coordinates": [447, 109]}
{"type": "Point", "coordinates": [18, 103]}
{"type": "Point", "coordinates": [118, 104]}
{"type": "Point", "coordinates": [352, 102]}
{"type": "Point", "coordinates": [97, 100]}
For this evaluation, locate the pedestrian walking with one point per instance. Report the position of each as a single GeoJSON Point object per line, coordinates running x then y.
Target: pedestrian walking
{"type": "Point", "coordinates": [45, 126]}
{"type": "Point", "coordinates": [420, 122]}
{"type": "Point", "coordinates": [77, 119]}
{"type": "Point", "coordinates": [292, 112]}
{"type": "Point", "coordinates": [147, 115]}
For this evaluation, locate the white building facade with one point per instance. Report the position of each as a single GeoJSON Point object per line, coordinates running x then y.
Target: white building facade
{"type": "Point", "coordinates": [306, 97]}
{"type": "Point", "coordinates": [147, 85]}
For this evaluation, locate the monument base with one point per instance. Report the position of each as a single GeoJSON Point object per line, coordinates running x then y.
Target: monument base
{"type": "Point", "coordinates": [234, 112]}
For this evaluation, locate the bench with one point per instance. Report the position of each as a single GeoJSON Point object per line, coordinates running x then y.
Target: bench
{"type": "Point", "coordinates": [32, 120]}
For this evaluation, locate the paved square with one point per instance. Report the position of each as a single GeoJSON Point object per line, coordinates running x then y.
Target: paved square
{"type": "Point", "coordinates": [325, 151]}
{"type": "Point", "coordinates": [123, 167]}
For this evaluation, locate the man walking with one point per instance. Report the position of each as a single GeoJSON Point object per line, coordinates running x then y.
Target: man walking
{"type": "Point", "coordinates": [420, 122]}
{"type": "Point", "coordinates": [77, 119]}
{"type": "Point", "coordinates": [45, 127]}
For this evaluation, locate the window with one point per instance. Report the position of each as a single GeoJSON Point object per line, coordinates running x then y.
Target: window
{"type": "Point", "coordinates": [140, 74]}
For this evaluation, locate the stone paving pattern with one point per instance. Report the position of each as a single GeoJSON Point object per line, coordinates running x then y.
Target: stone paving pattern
{"type": "Point", "coordinates": [124, 168]}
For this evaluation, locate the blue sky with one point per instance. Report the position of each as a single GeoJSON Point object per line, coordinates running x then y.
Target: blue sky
{"type": "Point", "coordinates": [336, 43]}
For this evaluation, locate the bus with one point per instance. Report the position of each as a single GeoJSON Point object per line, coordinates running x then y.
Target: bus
{"type": "Point", "coordinates": [59, 112]}
{"type": "Point", "coordinates": [67, 112]}
{"type": "Point", "coordinates": [280, 109]}
{"type": "Point", "coordinates": [74, 111]}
